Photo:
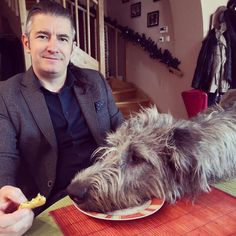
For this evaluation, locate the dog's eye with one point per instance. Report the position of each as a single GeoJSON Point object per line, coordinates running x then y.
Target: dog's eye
{"type": "Point", "coordinates": [132, 157]}
{"type": "Point", "coordinates": [135, 159]}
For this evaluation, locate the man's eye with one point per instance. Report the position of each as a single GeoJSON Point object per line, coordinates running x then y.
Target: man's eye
{"type": "Point", "coordinates": [42, 37]}
{"type": "Point", "coordinates": [63, 39]}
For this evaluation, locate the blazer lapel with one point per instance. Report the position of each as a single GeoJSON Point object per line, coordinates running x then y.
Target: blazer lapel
{"type": "Point", "coordinates": [86, 102]}
{"type": "Point", "coordinates": [37, 105]}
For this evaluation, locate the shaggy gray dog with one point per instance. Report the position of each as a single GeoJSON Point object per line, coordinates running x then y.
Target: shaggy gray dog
{"type": "Point", "coordinates": [153, 154]}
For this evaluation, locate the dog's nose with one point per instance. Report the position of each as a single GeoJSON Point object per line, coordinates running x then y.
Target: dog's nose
{"type": "Point", "coordinates": [77, 193]}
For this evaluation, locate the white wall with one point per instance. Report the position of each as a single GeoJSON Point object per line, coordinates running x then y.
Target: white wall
{"type": "Point", "coordinates": [187, 25]}
{"type": "Point", "coordinates": [188, 22]}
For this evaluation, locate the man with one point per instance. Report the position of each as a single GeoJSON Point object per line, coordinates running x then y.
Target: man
{"type": "Point", "coordinates": [51, 118]}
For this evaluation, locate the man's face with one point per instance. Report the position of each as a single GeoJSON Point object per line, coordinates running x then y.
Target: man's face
{"type": "Point", "coordinates": [49, 44]}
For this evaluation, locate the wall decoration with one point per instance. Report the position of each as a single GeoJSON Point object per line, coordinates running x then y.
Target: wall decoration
{"type": "Point", "coordinates": [153, 18]}
{"type": "Point", "coordinates": [123, 1]}
{"type": "Point", "coordinates": [135, 9]}
{"type": "Point", "coordinates": [156, 0]}
{"type": "Point", "coordinates": [164, 29]}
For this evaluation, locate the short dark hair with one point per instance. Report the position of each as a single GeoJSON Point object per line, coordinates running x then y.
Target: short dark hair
{"type": "Point", "coordinates": [231, 4]}
{"type": "Point", "coordinates": [49, 8]}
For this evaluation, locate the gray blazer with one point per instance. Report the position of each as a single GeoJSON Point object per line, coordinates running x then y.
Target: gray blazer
{"type": "Point", "coordinates": [28, 147]}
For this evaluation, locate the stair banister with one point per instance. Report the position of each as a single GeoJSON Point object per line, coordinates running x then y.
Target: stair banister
{"type": "Point", "coordinates": [77, 23]}
{"type": "Point", "coordinates": [101, 37]}
{"type": "Point", "coordinates": [23, 15]}
{"type": "Point", "coordinates": [88, 27]}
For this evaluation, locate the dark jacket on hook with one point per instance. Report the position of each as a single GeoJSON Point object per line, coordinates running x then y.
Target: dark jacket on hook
{"type": "Point", "coordinates": [230, 34]}
{"type": "Point", "coordinates": [202, 75]}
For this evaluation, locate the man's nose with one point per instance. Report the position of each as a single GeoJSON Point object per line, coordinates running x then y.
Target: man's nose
{"type": "Point", "coordinates": [52, 45]}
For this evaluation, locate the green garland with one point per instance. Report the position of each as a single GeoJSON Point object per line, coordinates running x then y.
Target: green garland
{"type": "Point", "coordinates": [147, 44]}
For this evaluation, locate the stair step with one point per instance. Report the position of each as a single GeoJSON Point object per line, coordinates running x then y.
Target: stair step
{"type": "Point", "coordinates": [125, 94]}
{"type": "Point", "coordinates": [117, 84]}
{"type": "Point", "coordinates": [129, 99]}
{"type": "Point", "coordinates": [133, 105]}
{"type": "Point", "coordinates": [133, 101]}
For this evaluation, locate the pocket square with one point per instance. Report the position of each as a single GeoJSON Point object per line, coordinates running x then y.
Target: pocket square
{"type": "Point", "coordinates": [98, 105]}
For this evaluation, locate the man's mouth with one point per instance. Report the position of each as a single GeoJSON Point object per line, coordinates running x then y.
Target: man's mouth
{"type": "Point", "coordinates": [52, 58]}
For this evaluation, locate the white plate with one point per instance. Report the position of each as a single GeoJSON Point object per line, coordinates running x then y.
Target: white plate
{"type": "Point", "coordinates": [134, 213]}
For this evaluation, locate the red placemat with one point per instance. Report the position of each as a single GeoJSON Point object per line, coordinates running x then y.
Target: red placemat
{"type": "Point", "coordinates": [211, 214]}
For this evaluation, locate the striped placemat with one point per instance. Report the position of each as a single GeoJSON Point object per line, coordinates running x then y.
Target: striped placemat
{"type": "Point", "coordinates": [212, 214]}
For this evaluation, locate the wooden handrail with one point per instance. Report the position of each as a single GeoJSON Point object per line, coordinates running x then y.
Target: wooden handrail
{"type": "Point", "coordinates": [179, 73]}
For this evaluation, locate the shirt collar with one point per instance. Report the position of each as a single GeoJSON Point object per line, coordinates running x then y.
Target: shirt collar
{"type": "Point", "coordinates": [69, 83]}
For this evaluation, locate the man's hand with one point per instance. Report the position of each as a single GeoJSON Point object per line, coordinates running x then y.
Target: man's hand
{"type": "Point", "coordinates": [13, 221]}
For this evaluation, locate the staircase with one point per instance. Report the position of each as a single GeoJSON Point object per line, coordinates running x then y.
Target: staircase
{"type": "Point", "coordinates": [129, 99]}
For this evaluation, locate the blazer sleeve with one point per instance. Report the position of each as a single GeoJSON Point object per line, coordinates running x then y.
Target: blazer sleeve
{"type": "Point", "coordinates": [9, 153]}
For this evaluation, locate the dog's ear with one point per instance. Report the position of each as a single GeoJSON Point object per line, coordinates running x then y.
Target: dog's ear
{"type": "Point", "coordinates": [183, 137]}
{"type": "Point", "coordinates": [184, 143]}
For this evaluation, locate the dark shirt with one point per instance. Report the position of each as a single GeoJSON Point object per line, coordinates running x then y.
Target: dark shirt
{"type": "Point", "coordinates": [75, 141]}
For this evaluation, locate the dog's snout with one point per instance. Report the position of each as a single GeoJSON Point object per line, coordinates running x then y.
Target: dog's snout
{"type": "Point", "coordinates": [77, 193]}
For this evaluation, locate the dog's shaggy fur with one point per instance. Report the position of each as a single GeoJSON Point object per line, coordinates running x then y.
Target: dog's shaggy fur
{"type": "Point", "coordinates": [153, 154]}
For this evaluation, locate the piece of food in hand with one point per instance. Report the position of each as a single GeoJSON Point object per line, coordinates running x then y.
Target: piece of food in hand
{"type": "Point", "coordinates": [38, 201]}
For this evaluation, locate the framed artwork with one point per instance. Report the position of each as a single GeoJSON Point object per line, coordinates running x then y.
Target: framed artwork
{"type": "Point", "coordinates": [153, 18]}
{"type": "Point", "coordinates": [156, 0]}
{"type": "Point", "coordinates": [135, 9]}
{"type": "Point", "coordinates": [123, 1]}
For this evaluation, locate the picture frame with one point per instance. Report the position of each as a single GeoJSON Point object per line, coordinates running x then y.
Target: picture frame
{"type": "Point", "coordinates": [135, 9]}
{"type": "Point", "coordinates": [124, 1]}
{"type": "Point", "coordinates": [153, 19]}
